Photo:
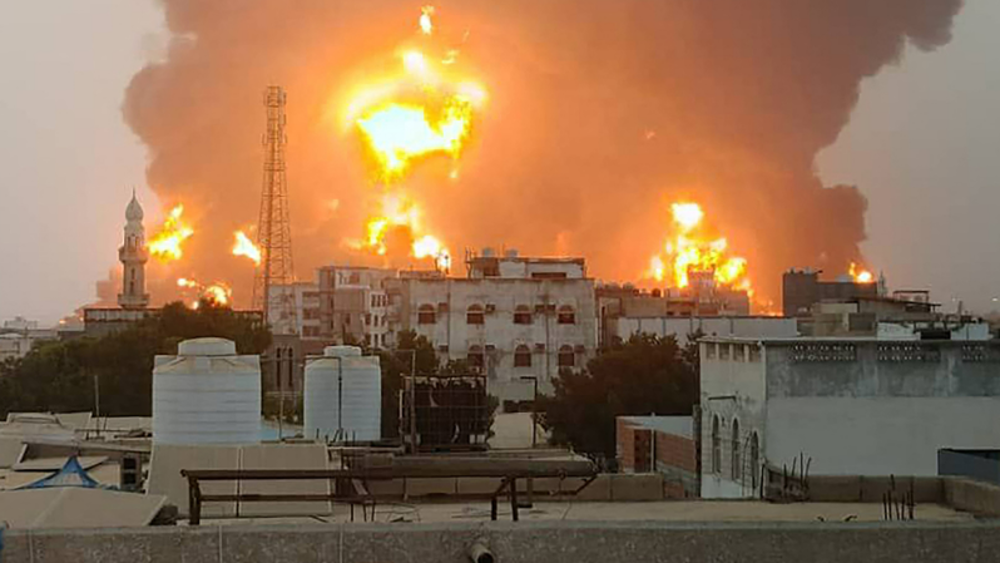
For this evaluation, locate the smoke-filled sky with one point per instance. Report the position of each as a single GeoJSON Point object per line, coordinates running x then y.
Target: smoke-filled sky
{"type": "Point", "coordinates": [599, 115]}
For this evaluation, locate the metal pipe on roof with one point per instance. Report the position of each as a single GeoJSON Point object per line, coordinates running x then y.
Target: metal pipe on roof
{"type": "Point", "coordinates": [480, 553]}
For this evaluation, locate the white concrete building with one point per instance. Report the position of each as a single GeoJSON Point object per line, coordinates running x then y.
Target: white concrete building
{"type": "Point", "coordinates": [850, 406]}
{"type": "Point", "coordinates": [517, 319]}
{"type": "Point", "coordinates": [353, 305]}
{"type": "Point", "coordinates": [19, 335]}
{"type": "Point", "coordinates": [14, 345]}
{"type": "Point", "coordinates": [305, 298]}
{"type": "Point", "coordinates": [748, 327]}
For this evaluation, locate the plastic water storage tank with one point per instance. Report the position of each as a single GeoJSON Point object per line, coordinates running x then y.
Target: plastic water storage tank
{"type": "Point", "coordinates": [206, 394]}
{"type": "Point", "coordinates": [343, 395]}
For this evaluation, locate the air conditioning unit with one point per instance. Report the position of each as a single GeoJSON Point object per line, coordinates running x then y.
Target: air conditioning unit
{"type": "Point", "coordinates": [491, 308]}
{"type": "Point", "coordinates": [540, 347]}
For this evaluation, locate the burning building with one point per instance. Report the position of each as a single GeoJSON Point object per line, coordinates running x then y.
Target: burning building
{"type": "Point", "coordinates": [802, 289]}
{"type": "Point", "coordinates": [477, 113]}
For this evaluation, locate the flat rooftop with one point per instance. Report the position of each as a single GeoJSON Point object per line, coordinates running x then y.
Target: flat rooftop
{"type": "Point", "coordinates": [656, 511]}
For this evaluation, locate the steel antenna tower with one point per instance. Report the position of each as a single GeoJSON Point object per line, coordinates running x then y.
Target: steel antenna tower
{"type": "Point", "coordinates": [274, 236]}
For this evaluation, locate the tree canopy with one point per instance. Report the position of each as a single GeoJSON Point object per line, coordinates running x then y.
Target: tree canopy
{"type": "Point", "coordinates": [59, 376]}
{"type": "Point", "coordinates": [645, 375]}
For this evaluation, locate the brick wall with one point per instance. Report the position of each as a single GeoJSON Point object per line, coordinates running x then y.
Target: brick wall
{"type": "Point", "coordinates": [625, 445]}
{"type": "Point", "coordinates": [676, 458]}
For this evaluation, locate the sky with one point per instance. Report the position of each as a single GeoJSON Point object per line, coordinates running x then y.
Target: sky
{"type": "Point", "coordinates": [921, 146]}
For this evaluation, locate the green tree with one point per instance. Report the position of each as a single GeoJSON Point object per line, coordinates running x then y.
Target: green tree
{"type": "Point", "coordinates": [60, 376]}
{"type": "Point", "coordinates": [645, 375]}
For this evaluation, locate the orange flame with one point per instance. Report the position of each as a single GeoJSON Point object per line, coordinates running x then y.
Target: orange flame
{"type": "Point", "coordinates": [862, 276]}
{"type": "Point", "coordinates": [690, 251]}
{"type": "Point", "coordinates": [418, 113]}
{"type": "Point", "coordinates": [218, 293]}
{"type": "Point", "coordinates": [245, 247]}
{"type": "Point", "coordinates": [395, 211]}
{"type": "Point", "coordinates": [426, 25]}
{"type": "Point", "coordinates": [166, 244]}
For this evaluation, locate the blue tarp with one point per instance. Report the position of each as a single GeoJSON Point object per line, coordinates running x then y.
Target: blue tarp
{"type": "Point", "coordinates": [71, 475]}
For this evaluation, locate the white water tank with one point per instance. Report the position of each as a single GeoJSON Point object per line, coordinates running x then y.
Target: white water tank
{"type": "Point", "coordinates": [206, 394]}
{"type": "Point", "coordinates": [343, 395]}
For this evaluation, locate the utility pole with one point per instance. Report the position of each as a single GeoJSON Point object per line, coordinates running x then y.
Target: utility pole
{"type": "Point", "coordinates": [410, 393]}
{"type": "Point", "coordinates": [97, 400]}
{"type": "Point", "coordinates": [274, 237]}
{"type": "Point", "coordinates": [534, 409]}
{"type": "Point", "coordinates": [534, 430]}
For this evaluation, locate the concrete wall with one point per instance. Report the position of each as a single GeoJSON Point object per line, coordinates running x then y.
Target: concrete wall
{"type": "Point", "coordinates": [881, 408]}
{"type": "Point", "coordinates": [982, 499]}
{"type": "Point", "coordinates": [681, 327]}
{"type": "Point", "coordinates": [878, 435]}
{"type": "Point", "coordinates": [556, 542]}
{"type": "Point", "coordinates": [882, 369]}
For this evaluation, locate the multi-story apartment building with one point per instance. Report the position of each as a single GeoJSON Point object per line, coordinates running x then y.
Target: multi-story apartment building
{"type": "Point", "coordinates": [519, 320]}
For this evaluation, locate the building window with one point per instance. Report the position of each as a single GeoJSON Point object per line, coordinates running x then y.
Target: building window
{"type": "Point", "coordinates": [566, 315]}
{"type": "Point", "coordinates": [368, 319]}
{"type": "Point", "coordinates": [737, 461]}
{"type": "Point", "coordinates": [475, 315]}
{"type": "Point", "coordinates": [522, 356]}
{"type": "Point", "coordinates": [710, 349]}
{"type": "Point", "coordinates": [522, 315]}
{"type": "Point", "coordinates": [475, 357]}
{"type": "Point", "coordinates": [716, 447]}
{"type": "Point", "coordinates": [754, 353]}
{"type": "Point", "coordinates": [754, 460]}
{"type": "Point", "coordinates": [567, 358]}
{"type": "Point", "coordinates": [724, 351]}
{"type": "Point", "coordinates": [426, 315]}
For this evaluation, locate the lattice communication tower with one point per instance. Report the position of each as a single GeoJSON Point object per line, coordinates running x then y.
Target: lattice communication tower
{"type": "Point", "coordinates": [273, 291]}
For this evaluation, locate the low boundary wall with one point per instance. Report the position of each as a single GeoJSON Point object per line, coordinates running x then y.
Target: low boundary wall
{"type": "Point", "coordinates": [977, 497]}
{"type": "Point", "coordinates": [553, 542]}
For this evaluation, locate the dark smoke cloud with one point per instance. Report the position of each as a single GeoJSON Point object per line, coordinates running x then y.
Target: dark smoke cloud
{"type": "Point", "coordinates": [600, 113]}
